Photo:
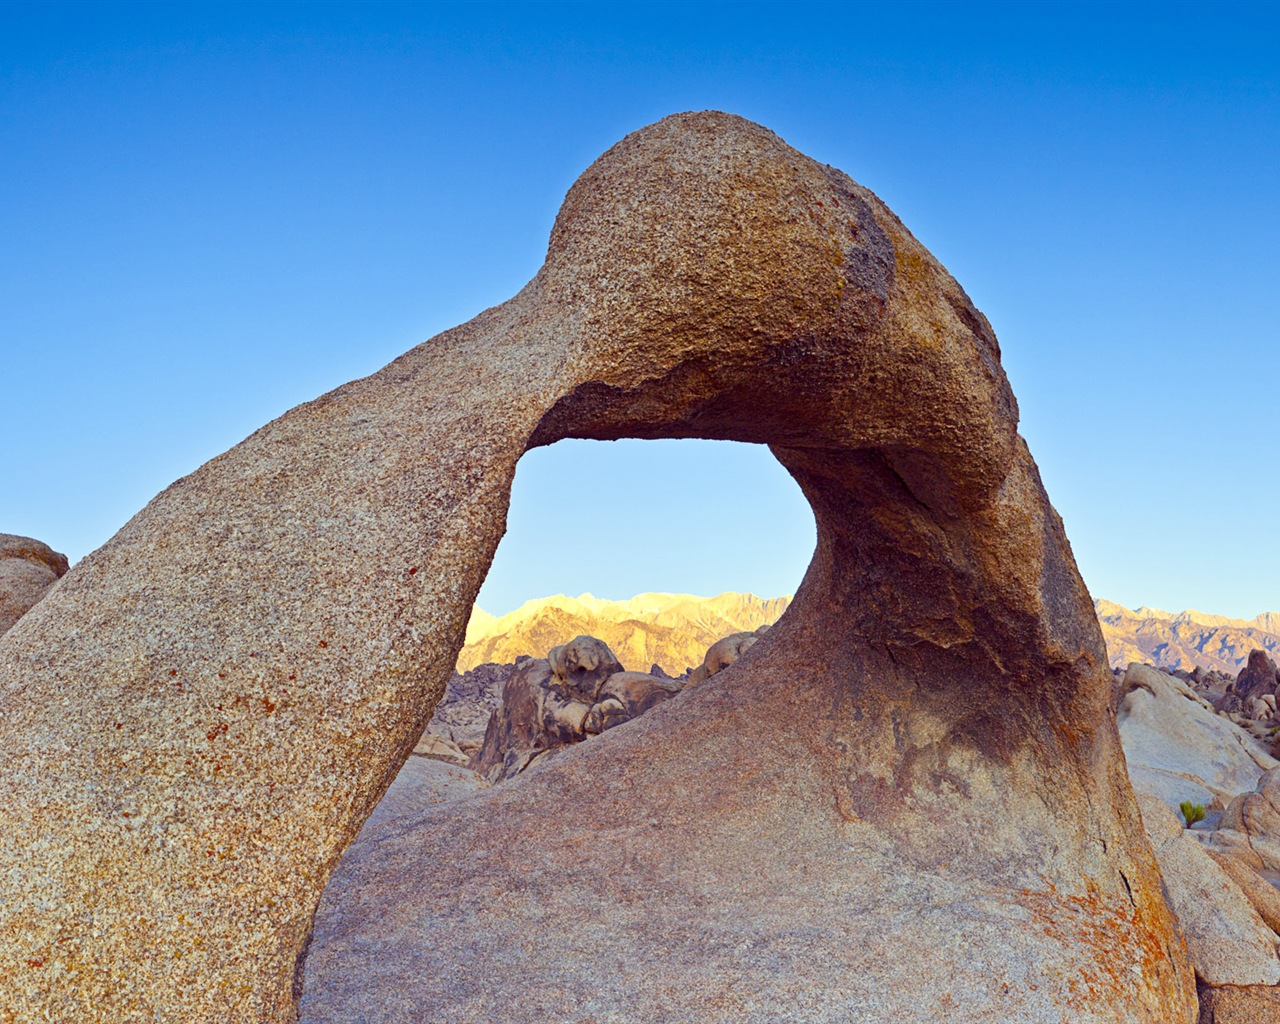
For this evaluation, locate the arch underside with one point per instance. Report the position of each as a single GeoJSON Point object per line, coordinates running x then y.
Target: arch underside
{"type": "Point", "coordinates": [880, 813]}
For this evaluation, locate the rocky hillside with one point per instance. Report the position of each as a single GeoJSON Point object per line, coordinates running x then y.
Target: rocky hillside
{"type": "Point", "coordinates": [1186, 639]}
{"type": "Point", "coordinates": [672, 631]}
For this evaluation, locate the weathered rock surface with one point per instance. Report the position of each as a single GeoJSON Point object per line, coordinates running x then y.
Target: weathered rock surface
{"type": "Point", "coordinates": [1250, 827]}
{"type": "Point", "coordinates": [907, 803]}
{"type": "Point", "coordinates": [1178, 748]}
{"type": "Point", "coordinates": [521, 730]}
{"type": "Point", "coordinates": [1256, 1004]}
{"type": "Point", "coordinates": [28, 569]}
{"type": "Point", "coordinates": [423, 782]}
{"type": "Point", "coordinates": [582, 665]}
{"type": "Point", "coordinates": [626, 695]}
{"type": "Point", "coordinates": [1264, 896]}
{"type": "Point", "coordinates": [432, 744]}
{"type": "Point", "coordinates": [1228, 942]}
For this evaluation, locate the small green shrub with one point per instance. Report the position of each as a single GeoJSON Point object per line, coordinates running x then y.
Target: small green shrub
{"type": "Point", "coordinates": [1191, 812]}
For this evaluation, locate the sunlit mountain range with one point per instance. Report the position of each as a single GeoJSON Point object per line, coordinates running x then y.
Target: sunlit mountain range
{"type": "Point", "coordinates": [673, 631]}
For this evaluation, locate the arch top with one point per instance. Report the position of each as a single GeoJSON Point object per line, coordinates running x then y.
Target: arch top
{"type": "Point", "coordinates": [708, 280]}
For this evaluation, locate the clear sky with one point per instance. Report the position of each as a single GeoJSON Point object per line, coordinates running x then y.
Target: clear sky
{"type": "Point", "coordinates": [209, 213]}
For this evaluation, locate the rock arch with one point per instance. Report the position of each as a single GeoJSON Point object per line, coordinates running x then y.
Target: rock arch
{"type": "Point", "coordinates": [196, 720]}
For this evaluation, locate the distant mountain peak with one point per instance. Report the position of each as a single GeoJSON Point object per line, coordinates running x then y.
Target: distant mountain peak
{"type": "Point", "coordinates": [1184, 639]}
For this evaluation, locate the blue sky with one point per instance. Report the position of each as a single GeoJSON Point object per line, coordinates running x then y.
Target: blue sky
{"type": "Point", "coordinates": [209, 213]}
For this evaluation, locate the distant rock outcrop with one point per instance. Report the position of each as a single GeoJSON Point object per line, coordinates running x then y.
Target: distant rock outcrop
{"type": "Point", "coordinates": [724, 652]}
{"type": "Point", "coordinates": [1259, 677]}
{"type": "Point", "coordinates": [1186, 640]}
{"type": "Point", "coordinates": [579, 690]}
{"type": "Point", "coordinates": [470, 698]}
{"type": "Point", "coordinates": [28, 568]}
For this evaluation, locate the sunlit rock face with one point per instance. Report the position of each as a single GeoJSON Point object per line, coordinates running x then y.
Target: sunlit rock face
{"type": "Point", "coordinates": [906, 802]}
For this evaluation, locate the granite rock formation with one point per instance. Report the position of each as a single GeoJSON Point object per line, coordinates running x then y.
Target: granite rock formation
{"type": "Point", "coordinates": [1228, 941]}
{"type": "Point", "coordinates": [1242, 1004]}
{"type": "Point", "coordinates": [1178, 748]}
{"type": "Point", "coordinates": [579, 690]}
{"type": "Point", "coordinates": [1250, 827]}
{"type": "Point", "coordinates": [724, 652]}
{"type": "Point", "coordinates": [1259, 677]}
{"type": "Point", "coordinates": [28, 569]}
{"type": "Point", "coordinates": [908, 802]}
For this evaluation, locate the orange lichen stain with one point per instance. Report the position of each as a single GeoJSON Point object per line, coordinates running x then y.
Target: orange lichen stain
{"type": "Point", "coordinates": [35, 963]}
{"type": "Point", "coordinates": [1071, 735]}
{"type": "Point", "coordinates": [268, 705]}
{"type": "Point", "coordinates": [216, 731]}
{"type": "Point", "coordinates": [1117, 939]}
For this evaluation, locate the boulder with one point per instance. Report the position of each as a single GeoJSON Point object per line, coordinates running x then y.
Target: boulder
{"type": "Point", "coordinates": [1250, 827]}
{"type": "Point", "coordinates": [626, 695]}
{"type": "Point", "coordinates": [1228, 942]}
{"type": "Point", "coordinates": [1264, 897]}
{"type": "Point", "coordinates": [1178, 748]}
{"type": "Point", "coordinates": [582, 665]}
{"type": "Point", "coordinates": [908, 802]}
{"type": "Point", "coordinates": [723, 653]}
{"type": "Point", "coordinates": [28, 569]}
{"type": "Point", "coordinates": [1258, 709]}
{"type": "Point", "coordinates": [534, 718]}
{"type": "Point", "coordinates": [1258, 677]}
{"type": "Point", "coordinates": [548, 704]}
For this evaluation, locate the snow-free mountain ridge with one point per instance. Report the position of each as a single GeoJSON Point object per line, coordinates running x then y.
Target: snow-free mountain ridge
{"type": "Point", "coordinates": [674, 630]}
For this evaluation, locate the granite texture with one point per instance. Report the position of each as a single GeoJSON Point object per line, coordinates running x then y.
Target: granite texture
{"type": "Point", "coordinates": [1245, 1004]}
{"type": "Point", "coordinates": [907, 802]}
